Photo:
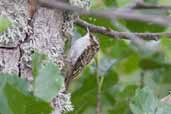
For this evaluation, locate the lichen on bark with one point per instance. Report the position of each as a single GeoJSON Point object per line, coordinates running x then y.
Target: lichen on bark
{"type": "Point", "coordinates": [46, 38]}
{"type": "Point", "coordinates": [16, 12]}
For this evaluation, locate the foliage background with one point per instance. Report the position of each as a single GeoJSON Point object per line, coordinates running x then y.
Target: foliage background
{"type": "Point", "coordinates": [122, 65]}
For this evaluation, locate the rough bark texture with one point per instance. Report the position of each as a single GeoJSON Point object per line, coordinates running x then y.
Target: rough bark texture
{"type": "Point", "coordinates": [9, 60]}
{"type": "Point", "coordinates": [16, 47]}
{"type": "Point", "coordinates": [47, 37]}
{"type": "Point", "coordinates": [19, 41]}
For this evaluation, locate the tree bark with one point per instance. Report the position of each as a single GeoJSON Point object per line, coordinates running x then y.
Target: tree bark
{"type": "Point", "coordinates": [20, 40]}
{"type": "Point", "coordinates": [16, 46]}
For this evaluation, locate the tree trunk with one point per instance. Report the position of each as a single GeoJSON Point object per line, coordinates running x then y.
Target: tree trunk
{"type": "Point", "coordinates": [16, 46]}
{"type": "Point", "coordinates": [20, 40]}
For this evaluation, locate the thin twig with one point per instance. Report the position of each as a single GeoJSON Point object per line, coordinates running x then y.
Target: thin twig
{"type": "Point", "coordinates": [108, 13]}
{"type": "Point", "coordinates": [98, 98]}
{"type": "Point", "coordinates": [142, 79]}
{"type": "Point", "coordinates": [151, 6]}
{"type": "Point", "coordinates": [121, 35]}
{"type": "Point", "coordinates": [99, 80]}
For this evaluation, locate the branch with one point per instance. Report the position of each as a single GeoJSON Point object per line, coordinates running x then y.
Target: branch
{"type": "Point", "coordinates": [124, 35]}
{"type": "Point", "coordinates": [108, 13]}
{"type": "Point", "coordinates": [151, 6]}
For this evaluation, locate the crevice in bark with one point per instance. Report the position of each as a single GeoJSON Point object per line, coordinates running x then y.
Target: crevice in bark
{"type": "Point", "coordinates": [8, 48]}
{"type": "Point", "coordinates": [19, 61]}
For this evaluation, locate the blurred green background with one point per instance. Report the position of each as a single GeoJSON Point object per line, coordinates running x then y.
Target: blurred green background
{"type": "Point", "coordinates": [121, 66]}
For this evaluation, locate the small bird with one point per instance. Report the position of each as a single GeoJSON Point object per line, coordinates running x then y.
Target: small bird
{"type": "Point", "coordinates": [81, 53]}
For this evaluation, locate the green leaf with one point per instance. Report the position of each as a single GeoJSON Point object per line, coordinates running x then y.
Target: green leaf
{"type": "Point", "coordinates": [99, 21]}
{"type": "Point", "coordinates": [37, 59]}
{"type": "Point", "coordinates": [97, 4]}
{"type": "Point", "coordinates": [151, 1]}
{"type": "Point", "coordinates": [153, 61]}
{"type": "Point", "coordinates": [4, 24]}
{"type": "Point", "coordinates": [149, 64]}
{"type": "Point", "coordinates": [129, 64]}
{"type": "Point", "coordinates": [19, 83]}
{"type": "Point", "coordinates": [20, 103]}
{"type": "Point", "coordinates": [114, 48]}
{"type": "Point", "coordinates": [122, 3]}
{"type": "Point", "coordinates": [166, 47]}
{"type": "Point", "coordinates": [110, 3]}
{"type": "Point", "coordinates": [139, 26]}
{"type": "Point", "coordinates": [119, 98]}
{"type": "Point", "coordinates": [165, 75]}
{"type": "Point", "coordinates": [4, 109]}
{"type": "Point", "coordinates": [110, 79]}
{"type": "Point", "coordinates": [105, 64]}
{"type": "Point", "coordinates": [121, 107]}
{"type": "Point", "coordinates": [127, 92]}
{"type": "Point", "coordinates": [48, 82]}
{"type": "Point", "coordinates": [87, 90]}
{"type": "Point", "coordinates": [164, 109]}
{"type": "Point", "coordinates": [164, 2]}
{"type": "Point", "coordinates": [144, 102]}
